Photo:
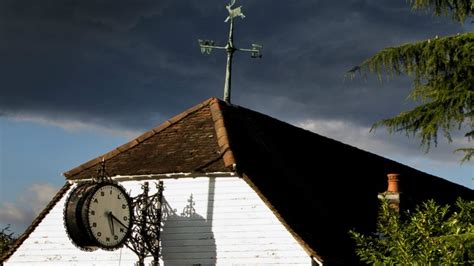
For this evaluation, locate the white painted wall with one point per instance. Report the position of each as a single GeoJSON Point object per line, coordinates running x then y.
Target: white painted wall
{"type": "Point", "coordinates": [231, 226]}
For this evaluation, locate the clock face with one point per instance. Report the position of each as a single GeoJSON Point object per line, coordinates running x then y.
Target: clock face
{"type": "Point", "coordinates": [108, 214]}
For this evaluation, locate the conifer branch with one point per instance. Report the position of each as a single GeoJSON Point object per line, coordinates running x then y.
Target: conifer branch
{"type": "Point", "coordinates": [459, 9]}
{"type": "Point", "coordinates": [443, 84]}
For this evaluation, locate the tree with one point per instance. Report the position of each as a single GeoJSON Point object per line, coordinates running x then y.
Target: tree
{"type": "Point", "coordinates": [6, 239]}
{"type": "Point", "coordinates": [443, 79]}
{"type": "Point", "coordinates": [432, 234]}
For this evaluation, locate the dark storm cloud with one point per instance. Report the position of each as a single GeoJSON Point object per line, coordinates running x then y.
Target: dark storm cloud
{"type": "Point", "coordinates": [310, 56]}
{"type": "Point", "coordinates": [100, 61]}
{"type": "Point", "coordinates": [134, 63]}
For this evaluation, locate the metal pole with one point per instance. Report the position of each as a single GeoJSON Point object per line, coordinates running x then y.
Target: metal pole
{"type": "Point", "coordinates": [143, 226]}
{"type": "Point", "coordinates": [208, 45]}
{"type": "Point", "coordinates": [156, 254]}
{"type": "Point", "coordinates": [230, 51]}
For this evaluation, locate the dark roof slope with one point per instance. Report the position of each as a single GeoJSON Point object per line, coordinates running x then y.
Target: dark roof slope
{"type": "Point", "coordinates": [318, 187]}
{"type": "Point", "coordinates": [321, 187]}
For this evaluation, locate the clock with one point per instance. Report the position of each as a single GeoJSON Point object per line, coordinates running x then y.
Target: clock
{"type": "Point", "coordinates": [98, 215]}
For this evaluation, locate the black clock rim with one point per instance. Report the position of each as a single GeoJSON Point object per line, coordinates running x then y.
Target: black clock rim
{"type": "Point", "coordinates": [72, 219]}
{"type": "Point", "coordinates": [87, 222]}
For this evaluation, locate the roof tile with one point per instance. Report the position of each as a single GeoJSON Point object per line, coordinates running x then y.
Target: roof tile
{"type": "Point", "coordinates": [164, 149]}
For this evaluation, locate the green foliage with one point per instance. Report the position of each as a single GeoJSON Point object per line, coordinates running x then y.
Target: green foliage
{"type": "Point", "coordinates": [459, 9]}
{"type": "Point", "coordinates": [443, 73]}
{"type": "Point", "coordinates": [432, 234]}
{"type": "Point", "coordinates": [6, 239]}
{"type": "Point", "coordinates": [443, 79]}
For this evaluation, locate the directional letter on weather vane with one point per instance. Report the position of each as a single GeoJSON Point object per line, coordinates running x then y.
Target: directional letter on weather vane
{"type": "Point", "coordinates": [207, 46]}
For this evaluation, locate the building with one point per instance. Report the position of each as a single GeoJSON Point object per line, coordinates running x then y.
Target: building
{"type": "Point", "coordinates": [260, 191]}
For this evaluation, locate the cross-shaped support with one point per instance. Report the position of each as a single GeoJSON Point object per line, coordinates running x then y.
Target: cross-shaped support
{"type": "Point", "coordinates": [207, 46]}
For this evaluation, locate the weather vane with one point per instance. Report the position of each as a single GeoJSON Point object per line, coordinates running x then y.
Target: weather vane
{"type": "Point", "coordinates": [208, 45]}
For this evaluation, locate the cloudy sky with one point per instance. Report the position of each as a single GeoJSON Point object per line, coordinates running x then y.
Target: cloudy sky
{"type": "Point", "coordinates": [78, 78]}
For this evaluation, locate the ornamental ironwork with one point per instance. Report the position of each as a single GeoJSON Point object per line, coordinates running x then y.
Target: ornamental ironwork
{"type": "Point", "coordinates": [147, 223]}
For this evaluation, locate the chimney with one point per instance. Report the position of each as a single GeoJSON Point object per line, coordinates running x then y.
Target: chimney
{"type": "Point", "coordinates": [393, 191]}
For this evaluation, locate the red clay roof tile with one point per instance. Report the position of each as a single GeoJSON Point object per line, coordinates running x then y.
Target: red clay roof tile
{"type": "Point", "coordinates": [164, 149]}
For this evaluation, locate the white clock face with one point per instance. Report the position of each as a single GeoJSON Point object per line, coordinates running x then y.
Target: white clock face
{"type": "Point", "coordinates": [109, 216]}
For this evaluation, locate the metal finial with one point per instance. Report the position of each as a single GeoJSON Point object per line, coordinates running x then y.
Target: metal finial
{"type": "Point", "coordinates": [208, 45]}
{"type": "Point", "coordinates": [102, 174]}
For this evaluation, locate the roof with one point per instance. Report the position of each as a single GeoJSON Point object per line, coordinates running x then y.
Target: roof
{"type": "Point", "coordinates": [194, 141]}
{"type": "Point", "coordinates": [319, 188]}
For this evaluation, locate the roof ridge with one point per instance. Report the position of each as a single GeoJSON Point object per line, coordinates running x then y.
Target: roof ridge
{"type": "Point", "coordinates": [217, 109]}
{"type": "Point", "coordinates": [134, 142]}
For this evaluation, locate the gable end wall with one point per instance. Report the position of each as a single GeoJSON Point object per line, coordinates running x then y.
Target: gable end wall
{"type": "Point", "coordinates": [230, 225]}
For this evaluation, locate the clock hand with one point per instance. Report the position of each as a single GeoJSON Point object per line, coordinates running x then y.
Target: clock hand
{"type": "Point", "coordinates": [111, 222]}
{"type": "Point", "coordinates": [116, 219]}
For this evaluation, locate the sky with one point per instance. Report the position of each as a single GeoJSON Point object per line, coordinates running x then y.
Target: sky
{"type": "Point", "coordinates": [79, 78]}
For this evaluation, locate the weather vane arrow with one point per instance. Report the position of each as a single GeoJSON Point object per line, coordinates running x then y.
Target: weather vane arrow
{"type": "Point", "coordinates": [208, 45]}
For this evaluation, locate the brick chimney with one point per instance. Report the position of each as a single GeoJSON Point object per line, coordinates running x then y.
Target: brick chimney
{"type": "Point", "coordinates": [393, 191]}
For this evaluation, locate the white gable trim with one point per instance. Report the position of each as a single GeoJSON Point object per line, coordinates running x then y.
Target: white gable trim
{"type": "Point", "coordinates": [320, 263]}
{"type": "Point", "coordinates": [121, 178]}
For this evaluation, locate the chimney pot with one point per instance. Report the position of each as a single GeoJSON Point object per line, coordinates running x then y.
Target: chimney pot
{"type": "Point", "coordinates": [393, 183]}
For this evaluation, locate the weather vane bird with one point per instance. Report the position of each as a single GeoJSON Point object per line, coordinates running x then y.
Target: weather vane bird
{"type": "Point", "coordinates": [208, 45]}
